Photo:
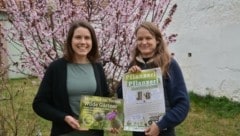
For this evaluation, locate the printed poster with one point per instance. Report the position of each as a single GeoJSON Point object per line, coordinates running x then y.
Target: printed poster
{"type": "Point", "coordinates": [101, 113]}
{"type": "Point", "coordinates": [143, 97]}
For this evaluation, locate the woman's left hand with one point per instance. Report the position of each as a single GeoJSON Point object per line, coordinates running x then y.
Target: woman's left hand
{"type": "Point", "coordinates": [153, 130]}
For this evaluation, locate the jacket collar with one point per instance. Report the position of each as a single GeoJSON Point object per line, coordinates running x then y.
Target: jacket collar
{"type": "Point", "coordinates": [140, 59]}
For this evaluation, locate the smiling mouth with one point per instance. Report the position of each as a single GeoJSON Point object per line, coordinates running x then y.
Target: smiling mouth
{"type": "Point", "coordinates": [81, 47]}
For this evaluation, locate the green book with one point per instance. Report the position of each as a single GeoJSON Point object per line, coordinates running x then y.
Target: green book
{"type": "Point", "coordinates": [102, 113]}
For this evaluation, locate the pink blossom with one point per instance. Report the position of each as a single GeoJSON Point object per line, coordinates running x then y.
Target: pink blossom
{"type": "Point", "coordinates": [38, 30]}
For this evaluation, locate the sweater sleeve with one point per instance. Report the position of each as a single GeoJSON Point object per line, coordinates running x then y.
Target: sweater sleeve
{"type": "Point", "coordinates": [43, 101]}
{"type": "Point", "coordinates": [176, 92]}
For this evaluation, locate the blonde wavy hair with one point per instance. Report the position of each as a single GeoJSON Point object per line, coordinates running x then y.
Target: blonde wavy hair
{"type": "Point", "coordinates": [161, 57]}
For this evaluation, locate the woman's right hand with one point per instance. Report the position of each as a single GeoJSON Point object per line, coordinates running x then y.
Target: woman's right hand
{"type": "Point", "coordinates": [114, 131]}
{"type": "Point", "coordinates": [134, 69]}
{"type": "Point", "coordinates": [71, 121]}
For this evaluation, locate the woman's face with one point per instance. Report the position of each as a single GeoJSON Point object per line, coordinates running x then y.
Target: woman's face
{"type": "Point", "coordinates": [81, 42]}
{"type": "Point", "coordinates": [146, 42]}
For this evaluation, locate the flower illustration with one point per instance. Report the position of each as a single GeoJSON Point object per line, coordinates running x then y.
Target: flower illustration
{"type": "Point", "coordinates": [111, 115]}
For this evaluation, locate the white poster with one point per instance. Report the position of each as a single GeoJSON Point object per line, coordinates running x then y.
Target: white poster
{"type": "Point", "coordinates": [143, 97]}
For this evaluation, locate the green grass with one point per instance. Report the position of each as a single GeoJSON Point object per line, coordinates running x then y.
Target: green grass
{"type": "Point", "coordinates": [16, 115]}
{"type": "Point", "coordinates": [208, 116]}
{"type": "Point", "coordinates": [211, 116]}
{"type": "Point", "coordinates": [220, 106]}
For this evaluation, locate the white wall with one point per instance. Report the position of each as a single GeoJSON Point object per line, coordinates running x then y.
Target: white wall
{"type": "Point", "coordinates": [12, 51]}
{"type": "Point", "coordinates": [209, 30]}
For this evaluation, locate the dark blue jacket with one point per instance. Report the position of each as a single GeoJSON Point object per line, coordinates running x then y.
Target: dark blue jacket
{"type": "Point", "coordinates": [176, 96]}
{"type": "Point", "coordinates": [51, 101]}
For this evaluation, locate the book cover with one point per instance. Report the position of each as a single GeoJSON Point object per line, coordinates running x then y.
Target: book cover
{"type": "Point", "coordinates": [102, 113]}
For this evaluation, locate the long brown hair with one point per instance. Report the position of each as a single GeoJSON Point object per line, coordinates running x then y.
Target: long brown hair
{"type": "Point", "coordinates": [161, 56]}
{"type": "Point", "coordinates": [68, 52]}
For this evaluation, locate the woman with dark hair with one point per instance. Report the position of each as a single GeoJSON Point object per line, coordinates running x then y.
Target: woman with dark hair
{"type": "Point", "coordinates": [151, 52]}
{"type": "Point", "coordinates": [66, 79]}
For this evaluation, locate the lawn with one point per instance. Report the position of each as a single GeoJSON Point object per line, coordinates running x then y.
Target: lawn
{"type": "Point", "coordinates": [209, 116]}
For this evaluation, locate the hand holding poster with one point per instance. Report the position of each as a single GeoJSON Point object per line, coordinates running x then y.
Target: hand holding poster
{"type": "Point", "coordinates": [101, 113]}
{"type": "Point", "coordinates": [143, 97]}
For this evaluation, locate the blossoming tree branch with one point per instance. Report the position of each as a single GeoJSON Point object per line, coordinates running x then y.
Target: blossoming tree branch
{"type": "Point", "coordinates": [38, 30]}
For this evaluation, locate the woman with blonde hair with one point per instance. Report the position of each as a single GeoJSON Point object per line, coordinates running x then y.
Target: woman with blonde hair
{"type": "Point", "coordinates": [151, 52]}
